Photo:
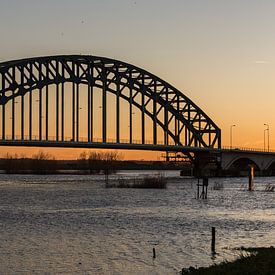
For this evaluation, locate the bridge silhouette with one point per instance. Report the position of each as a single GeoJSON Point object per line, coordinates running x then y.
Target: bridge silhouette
{"type": "Point", "coordinates": [81, 101]}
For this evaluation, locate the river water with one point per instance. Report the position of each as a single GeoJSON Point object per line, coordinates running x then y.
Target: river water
{"type": "Point", "coordinates": [71, 224]}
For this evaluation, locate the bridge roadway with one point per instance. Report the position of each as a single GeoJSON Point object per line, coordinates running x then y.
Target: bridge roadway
{"type": "Point", "coordinates": [263, 159]}
{"type": "Point", "coordinates": [227, 156]}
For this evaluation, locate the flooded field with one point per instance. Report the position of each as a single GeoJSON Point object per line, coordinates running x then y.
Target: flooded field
{"type": "Point", "coordinates": [60, 224]}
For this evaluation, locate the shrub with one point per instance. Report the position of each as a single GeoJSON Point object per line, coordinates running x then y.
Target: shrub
{"type": "Point", "coordinates": [218, 186]}
{"type": "Point", "coordinates": [269, 188]}
{"type": "Point", "coordinates": [158, 182]}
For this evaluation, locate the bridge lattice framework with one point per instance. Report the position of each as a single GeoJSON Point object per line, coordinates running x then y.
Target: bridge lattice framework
{"type": "Point", "coordinates": [182, 125]}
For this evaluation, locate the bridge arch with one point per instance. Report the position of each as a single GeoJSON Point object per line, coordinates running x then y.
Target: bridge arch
{"type": "Point", "coordinates": [182, 122]}
{"type": "Point", "coordinates": [242, 163]}
{"type": "Point", "coordinates": [270, 168]}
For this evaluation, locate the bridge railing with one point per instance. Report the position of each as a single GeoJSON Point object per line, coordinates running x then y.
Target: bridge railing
{"type": "Point", "coordinates": [121, 141]}
{"type": "Point", "coordinates": [250, 149]}
{"type": "Point", "coordinates": [80, 139]}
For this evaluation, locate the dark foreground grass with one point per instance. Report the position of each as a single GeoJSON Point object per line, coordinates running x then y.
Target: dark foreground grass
{"type": "Point", "coordinates": [260, 262]}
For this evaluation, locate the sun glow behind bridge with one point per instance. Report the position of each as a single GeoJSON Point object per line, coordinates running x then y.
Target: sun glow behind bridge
{"type": "Point", "coordinates": [88, 99]}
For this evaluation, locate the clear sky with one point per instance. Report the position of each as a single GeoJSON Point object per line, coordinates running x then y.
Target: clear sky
{"type": "Point", "coordinates": [219, 53]}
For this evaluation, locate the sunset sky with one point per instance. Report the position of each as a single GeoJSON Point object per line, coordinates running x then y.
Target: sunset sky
{"type": "Point", "coordinates": [219, 53]}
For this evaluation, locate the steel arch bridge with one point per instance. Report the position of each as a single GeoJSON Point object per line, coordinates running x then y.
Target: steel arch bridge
{"type": "Point", "coordinates": [58, 101]}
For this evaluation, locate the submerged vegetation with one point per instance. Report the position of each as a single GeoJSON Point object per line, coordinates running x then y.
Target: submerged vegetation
{"type": "Point", "coordinates": [261, 261]}
{"type": "Point", "coordinates": [218, 186]}
{"type": "Point", "coordinates": [269, 188]}
{"type": "Point", "coordinates": [158, 182]}
{"type": "Point", "coordinates": [98, 162]}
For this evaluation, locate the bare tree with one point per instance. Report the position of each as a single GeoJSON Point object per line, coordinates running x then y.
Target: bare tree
{"type": "Point", "coordinates": [43, 162]}
{"type": "Point", "coordinates": [99, 161]}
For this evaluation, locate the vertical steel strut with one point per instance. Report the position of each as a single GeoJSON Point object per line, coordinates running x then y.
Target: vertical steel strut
{"type": "Point", "coordinates": [155, 115]}
{"type": "Point", "coordinates": [104, 105]}
{"type": "Point", "coordinates": [57, 105]}
{"type": "Point", "coordinates": [142, 112]}
{"type": "Point", "coordinates": [47, 104]}
{"type": "Point", "coordinates": [73, 104]}
{"type": "Point", "coordinates": [117, 107]}
{"type": "Point", "coordinates": [40, 103]}
{"type": "Point", "coordinates": [62, 105]}
{"type": "Point", "coordinates": [3, 111]}
{"type": "Point", "coordinates": [22, 109]}
{"type": "Point", "coordinates": [131, 112]}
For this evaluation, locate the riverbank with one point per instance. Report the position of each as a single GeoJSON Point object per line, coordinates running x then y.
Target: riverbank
{"type": "Point", "coordinates": [260, 261]}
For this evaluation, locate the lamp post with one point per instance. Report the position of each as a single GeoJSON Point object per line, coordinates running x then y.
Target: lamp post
{"type": "Point", "coordinates": [267, 129]}
{"type": "Point", "coordinates": [231, 134]}
{"type": "Point", "coordinates": [264, 139]}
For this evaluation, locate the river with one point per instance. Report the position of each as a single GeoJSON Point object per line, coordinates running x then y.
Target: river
{"type": "Point", "coordinates": [72, 224]}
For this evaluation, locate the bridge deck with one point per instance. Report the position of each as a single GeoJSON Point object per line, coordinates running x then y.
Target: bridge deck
{"type": "Point", "coordinates": [135, 145]}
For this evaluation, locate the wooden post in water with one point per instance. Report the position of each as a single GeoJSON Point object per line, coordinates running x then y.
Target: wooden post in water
{"type": "Point", "coordinates": [205, 186]}
{"type": "Point", "coordinates": [198, 189]}
{"type": "Point", "coordinates": [250, 178]}
{"type": "Point", "coordinates": [154, 253]}
{"type": "Point", "coordinates": [213, 241]}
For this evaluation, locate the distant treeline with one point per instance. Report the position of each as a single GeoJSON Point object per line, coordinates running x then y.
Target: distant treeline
{"type": "Point", "coordinates": [45, 163]}
{"type": "Point", "coordinates": [40, 163]}
{"type": "Point", "coordinates": [87, 162]}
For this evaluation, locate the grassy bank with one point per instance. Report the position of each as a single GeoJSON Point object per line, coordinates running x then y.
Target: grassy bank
{"type": "Point", "coordinates": [260, 262]}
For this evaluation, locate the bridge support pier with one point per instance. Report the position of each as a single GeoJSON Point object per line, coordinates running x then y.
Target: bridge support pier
{"type": "Point", "coordinates": [206, 164]}
{"type": "Point", "coordinates": [204, 185]}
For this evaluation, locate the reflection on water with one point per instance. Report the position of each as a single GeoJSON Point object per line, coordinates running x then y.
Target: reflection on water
{"type": "Point", "coordinates": [73, 225]}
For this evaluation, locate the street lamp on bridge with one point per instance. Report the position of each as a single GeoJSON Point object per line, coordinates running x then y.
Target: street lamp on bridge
{"type": "Point", "coordinates": [267, 129]}
{"type": "Point", "coordinates": [264, 138]}
{"type": "Point", "coordinates": [231, 134]}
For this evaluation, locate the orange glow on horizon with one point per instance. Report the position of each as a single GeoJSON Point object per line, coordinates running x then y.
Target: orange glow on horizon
{"type": "Point", "coordinates": [73, 153]}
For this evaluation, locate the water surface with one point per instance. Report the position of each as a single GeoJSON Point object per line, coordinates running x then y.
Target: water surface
{"type": "Point", "coordinates": [74, 225]}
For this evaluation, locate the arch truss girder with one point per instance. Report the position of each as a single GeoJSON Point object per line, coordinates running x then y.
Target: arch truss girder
{"type": "Point", "coordinates": [183, 122]}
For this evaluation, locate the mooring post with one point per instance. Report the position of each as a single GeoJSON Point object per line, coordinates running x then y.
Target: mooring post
{"type": "Point", "coordinates": [213, 241]}
{"type": "Point", "coordinates": [154, 253]}
{"type": "Point", "coordinates": [205, 186]}
{"type": "Point", "coordinates": [198, 189]}
{"type": "Point", "coordinates": [250, 178]}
